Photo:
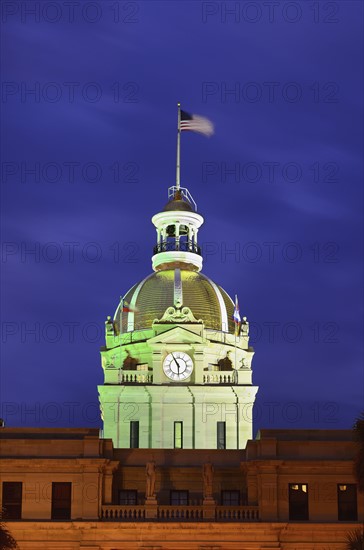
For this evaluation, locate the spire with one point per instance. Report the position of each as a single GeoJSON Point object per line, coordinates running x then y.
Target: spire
{"type": "Point", "coordinates": [178, 224]}
{"type": "Point", "coordinates": [177, 195]}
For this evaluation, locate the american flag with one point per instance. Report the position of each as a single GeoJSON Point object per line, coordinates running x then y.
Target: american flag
{"type": "Point", "coordinates": [196, 123]}
{"type": "Point", "coordinates": [125, 306]}
{"type": "Point", "coordinates": [236, 314]}
{"type": "Point", "coordinates": [236, 317]}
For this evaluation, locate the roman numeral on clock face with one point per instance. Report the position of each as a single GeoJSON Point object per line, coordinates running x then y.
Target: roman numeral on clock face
{"type": "Point", "coordinates": [178, 365]}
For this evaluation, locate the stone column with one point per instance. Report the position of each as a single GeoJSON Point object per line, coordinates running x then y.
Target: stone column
{"type": "Point", "coordinates": [268, 492]}
{"type": "Point", "coordinates": [107, 472]}
{"type": "Point", "coordinates": [252, 484]}
{"type": "Point", "coordinates": [177, 235]}
{"type": "Point", "coordinates": [107, 496]}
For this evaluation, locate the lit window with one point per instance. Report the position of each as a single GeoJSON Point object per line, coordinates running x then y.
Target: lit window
{"type": "Point", "coordinates": [347, 502]}
{"type": "Point", "coordinates": [178, 435]}
{"type": "Point", "coordinates": [298, 501]}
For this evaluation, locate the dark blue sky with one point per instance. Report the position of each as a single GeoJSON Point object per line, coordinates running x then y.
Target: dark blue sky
{"type": "Point", "coordinates": [283, 84]}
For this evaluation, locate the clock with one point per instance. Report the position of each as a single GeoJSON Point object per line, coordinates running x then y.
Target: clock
{"type": "Point", "coordinates": [178, 365]}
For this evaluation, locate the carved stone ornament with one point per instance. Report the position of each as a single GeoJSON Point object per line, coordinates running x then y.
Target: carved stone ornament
{"type": "Point", "coordinates": [178, 315]}
{"type": "Point", "coordinates": [245, 327]}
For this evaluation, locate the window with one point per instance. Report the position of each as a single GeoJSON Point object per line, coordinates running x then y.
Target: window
{"type": "Point", "coordinates": [347, 502]}
{"type": "Point", "coordinates": [221, 435]}
{"type": "Point", "coordinates": [230, 498]}
{"type": "Point", "coordinates": [12, 497]}
{"type": "Point", "coordinates": [179, 498]}
{"type": "Point", "coordinates": [128, 497]}
{"type": "Point", "coordinates": [298, 501]}
{"type": "Point", "coordinates": [134, 434]}
{"type": "Point", "coordinates": [178, 435]}
{"type": "Point", "coordinates": [61, 500]}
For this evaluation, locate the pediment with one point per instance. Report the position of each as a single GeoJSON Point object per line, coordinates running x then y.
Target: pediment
{"type": "Point", "coordinates": [176, 335]}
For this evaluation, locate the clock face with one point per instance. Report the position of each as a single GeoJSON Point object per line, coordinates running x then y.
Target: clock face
{"type": "Point", "coordinates": [178, 365]}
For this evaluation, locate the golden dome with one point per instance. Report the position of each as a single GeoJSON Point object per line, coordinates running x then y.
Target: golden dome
{"type": "Point", "coordinates": [152, 296]}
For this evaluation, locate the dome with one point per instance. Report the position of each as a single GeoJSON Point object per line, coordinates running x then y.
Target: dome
{"type": "Point", "coordinates": [152, 296]}
{"type": "Point", "coordinates": [181, 201]}
{"type": "Point", "coordinates": [178, 205]}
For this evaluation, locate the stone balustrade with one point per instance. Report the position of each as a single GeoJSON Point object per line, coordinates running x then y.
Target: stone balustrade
{"type": "Point", "coordinates": [180, 513]}
{"type": "Point", "coordinates": [135, 377]}
{"type": "Point", "coordinates": [237, 513]}
{"type": "Point", "coordinates": [220, 377]}
{"type": "Point", "coordinates": [122, 513]}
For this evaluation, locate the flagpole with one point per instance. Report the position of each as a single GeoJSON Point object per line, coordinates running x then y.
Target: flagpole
{"type": "Point", "coordinates": [236, 377]}
{"type": "Point", "coordinates": [121, 315]}
{"type": "Point", "coordinates": [178, 146]}
{"type": "Point", "coordinates": [236, 334]}
{"type": "Point", "coordinates": [236, 364]}
{"type": "Point", "coordinates": [121, 326]}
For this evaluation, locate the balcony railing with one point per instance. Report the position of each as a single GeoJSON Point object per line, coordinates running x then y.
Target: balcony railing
{"type": "Point", "coordinates": [237, 513]}
{"type": "Point", "coordinates": [135, 377]}
{"type": "Point", "coordinates": [123, 513]}
{"type": "Point", "coordinates": [220, 377]}
{"type": "Point", "coordinates": [182, 246]}
{"type": "Point", "coordinates": [180, 513]}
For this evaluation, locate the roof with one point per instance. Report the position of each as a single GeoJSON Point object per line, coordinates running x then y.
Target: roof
{"type": "Point", "coordinates": [178, 205]}
{"type": "Point", "coordinates": [48, 433]}
{"type": "Point", "coordinates": [152, 296]}
{"type": "Point", "coordinates": [293, 434]}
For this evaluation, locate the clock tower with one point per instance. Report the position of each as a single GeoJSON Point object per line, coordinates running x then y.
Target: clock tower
{"type": "Point", "coordinates": [177, 369]}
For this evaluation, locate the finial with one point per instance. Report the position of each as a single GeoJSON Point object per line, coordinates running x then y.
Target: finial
{"type": "Point", "coordinates": [178, 195]}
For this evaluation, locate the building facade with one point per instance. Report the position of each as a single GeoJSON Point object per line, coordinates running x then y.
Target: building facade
{"type": "Point", "coordinates": [175, 466]}
{"type": "Point", "coordinates": [70, 489]}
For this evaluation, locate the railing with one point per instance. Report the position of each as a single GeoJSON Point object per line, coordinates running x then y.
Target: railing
{"type": "Point", "coordinates": [123, 513]}
{"type": "Point", "coordinates": [180, 513]}
{"type": "Point", "coordinates": [237, 513]}
{"type": "Point", "coordinates": [183, 246]}
{"type": "Point", "coordinates": [219, 378]}
{"type": "Point", "coordinates": [111, 512]}
{"type": "Point", "coordinates": [185, 194]}
{"type": "Point", "coordinates": [135, 377]}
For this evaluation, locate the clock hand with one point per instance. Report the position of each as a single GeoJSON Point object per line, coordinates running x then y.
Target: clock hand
{"type": "Point", "coordinates": [178, 367]}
